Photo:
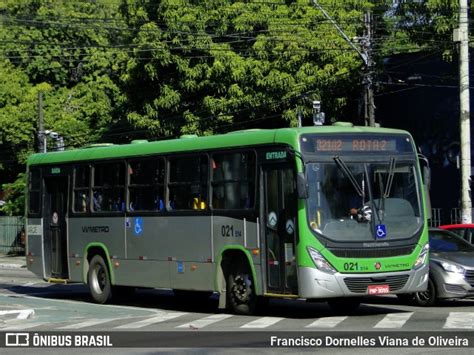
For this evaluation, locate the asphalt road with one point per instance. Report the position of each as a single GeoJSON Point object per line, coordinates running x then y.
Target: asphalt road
{"type": "Point", "coordinates": [29, 304]}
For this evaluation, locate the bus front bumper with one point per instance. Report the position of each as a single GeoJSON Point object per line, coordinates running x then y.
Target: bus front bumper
{"type": "Point", "coordinates": [314, 283]}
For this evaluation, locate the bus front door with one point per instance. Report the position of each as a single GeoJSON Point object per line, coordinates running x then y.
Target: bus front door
{"type": "Point", "coordinates": [279, 213]}
{"type": "Point", "coordinates": [55, 226]}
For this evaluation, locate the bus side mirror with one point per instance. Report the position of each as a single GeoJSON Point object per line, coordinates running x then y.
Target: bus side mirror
{"type": "Point", "coordinates": [426, 177]}
{"type": "Point", "coordinates": [301, 186]}
{"type": "Point", "coordinates": [425, 170]}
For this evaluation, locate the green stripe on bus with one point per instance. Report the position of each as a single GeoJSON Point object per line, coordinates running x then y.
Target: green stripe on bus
{"type": "Point", "coordinates": [249, 257]}
{"type": "Point", "coordinates": [107, 256]}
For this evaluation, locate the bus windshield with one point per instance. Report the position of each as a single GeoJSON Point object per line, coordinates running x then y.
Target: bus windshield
{"type": "Point", "coordinates": [351, 201]}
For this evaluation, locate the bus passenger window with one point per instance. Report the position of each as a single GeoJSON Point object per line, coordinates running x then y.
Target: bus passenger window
{"type": "Point", "coordinates": [233, 180]}
{"type": "Point", "coordinates": [188, 183]}
{"type": "Point", "coordinates": [146, 184]}
{"type": "Point", "coordinates": [108, 187]}
{"type": "Point", "coordinates": [34, 191]}
{"type": "Point", "coordinates": [98, 200]}
{"type": "Point", "coordinates": [81, 189]}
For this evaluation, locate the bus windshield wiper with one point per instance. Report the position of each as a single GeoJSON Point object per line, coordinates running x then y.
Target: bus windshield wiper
{"type": "Point", "coordinates": [348, 173]}
{"type": "Point", "coordinates": [391, 173]}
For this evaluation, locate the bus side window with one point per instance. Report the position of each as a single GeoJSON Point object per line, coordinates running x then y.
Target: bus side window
{"type": "Point", "coordinates": [81, 188]}
{"type": "Point", "coordinates": [233, 180]}
{"type": "Point", "coordinates": [146, 184]}
{"type": "Point", "coordinates": [109, 187]}
{"type": "Point", "coordinates": [188, 183]}
{"type": "Point", "coordinates": [34, 191]}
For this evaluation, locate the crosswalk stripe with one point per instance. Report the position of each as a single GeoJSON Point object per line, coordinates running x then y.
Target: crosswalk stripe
{"type": "Point", "coordinates": [158, 319]}
{"type": "Point", "coordinates": [88, 323]}
{"type": "Point", "coordinates": [394, 320]}
{"type": "Point", "coordinates": [204, 322]}
{"type": "Point", "coordinates": [460, 320]}
{"type": "Point", "coordinates": [23, 326]}
{"type": "Point", "coordinates": [263, 322]}
{"type": "Point", "coordinates": [326, 322]}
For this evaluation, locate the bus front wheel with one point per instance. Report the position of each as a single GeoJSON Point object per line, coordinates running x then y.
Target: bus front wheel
{"type": "Point", "coordinates": [99, 280]}
{"type": "Point", "coordinates": [241, 290]}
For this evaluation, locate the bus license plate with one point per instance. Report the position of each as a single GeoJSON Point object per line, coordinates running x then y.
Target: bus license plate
{"type": "Point", "coordinates": [378, 289]}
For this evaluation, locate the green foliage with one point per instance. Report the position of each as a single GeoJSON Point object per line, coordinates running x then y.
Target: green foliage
{"type": "Point", "coordinates": [217, 65]}
{"type": "Point", "coordinates": [14, 196]}
{"type": "Point", "coordinates": [414, 26]}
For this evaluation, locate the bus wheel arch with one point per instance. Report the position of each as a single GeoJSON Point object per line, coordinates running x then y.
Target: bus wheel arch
{"type": "Point", "coordinates": [237, 282]}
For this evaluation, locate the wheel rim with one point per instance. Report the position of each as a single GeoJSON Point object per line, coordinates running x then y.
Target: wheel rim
{"type": "Point", "coordinates": [99, 279]}
{"type": "Point", "coordinates": [241, 288]}
{"type": "Point", "coordinates": [425, 296]}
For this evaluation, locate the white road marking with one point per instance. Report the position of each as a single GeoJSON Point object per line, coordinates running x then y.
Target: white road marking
{"type": "Point", "coordinates": [149, 321]}
{"type": "Point", "coordinates": [326, 322]}
{"type": "Point", "coordinates": [24, 326]}
{"type": "Point", "coordinates": [460, 320]}
{"type": "Point", "coordinates": [204, 322]}
{"type": "Point", "coordinates": [22, 313]}
{"type": "Point", "coordinates": [263, 322]}
{"type": "Point", "coordinates": [394, 320]}
{"type": "Point", "coordinates": [88, 323]}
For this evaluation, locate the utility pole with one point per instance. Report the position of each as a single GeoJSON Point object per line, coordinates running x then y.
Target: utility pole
{"type": "Point", "coordinates": [41, 137]}
{"type": "Point", "coordinates": [462, 35]}
{"type": "Point", "coordinates": [365, 53]}
{"type": "Point", "coordinates": [366, 42]}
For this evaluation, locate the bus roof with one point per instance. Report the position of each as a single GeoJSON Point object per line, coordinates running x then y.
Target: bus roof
{"type": "Point", "coordinates": [245, 138]}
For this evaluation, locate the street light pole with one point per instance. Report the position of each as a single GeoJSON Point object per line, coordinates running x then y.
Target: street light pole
{"type": "Point", "coordinates": [365, 53]}
{"type": "Point", "coordinates": [462, 35]}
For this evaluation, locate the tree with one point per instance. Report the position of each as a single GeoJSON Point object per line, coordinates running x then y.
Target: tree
{"type": "Point", "coordinates": [71, 52]}
{"type": "Point", "coordinates": [211, 66]}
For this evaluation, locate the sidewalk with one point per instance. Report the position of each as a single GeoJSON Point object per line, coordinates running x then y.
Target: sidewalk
{"type": "Point", "coordinates": [12, 261]}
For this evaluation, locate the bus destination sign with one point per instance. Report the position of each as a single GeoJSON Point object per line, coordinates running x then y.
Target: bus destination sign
{"type": "Point", "coordinates": [355, 143]}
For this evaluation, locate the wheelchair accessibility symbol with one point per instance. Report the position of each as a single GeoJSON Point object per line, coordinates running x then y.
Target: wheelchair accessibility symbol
{"type": "Point", "coordinates": [380, 231]}
{"type": "Point", "coordinates": [138, 228]}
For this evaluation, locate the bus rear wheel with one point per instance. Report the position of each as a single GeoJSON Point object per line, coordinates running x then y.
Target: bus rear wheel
{"type": "Point", "coordinates": [98, 279]}
{"type": "Point", "coordinates": [241, 290]}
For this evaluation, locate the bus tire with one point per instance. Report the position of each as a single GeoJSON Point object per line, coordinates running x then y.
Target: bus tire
{"type": "Point", "coordinates": [241, 290]}
{"type": "Point", "coordinates": [426, 298]}
{"type": "Point", "coordinates": [98, 278]}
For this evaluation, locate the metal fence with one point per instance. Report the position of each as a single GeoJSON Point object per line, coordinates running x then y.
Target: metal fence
{"type": "Point", "coordinates": [440, 216]}
{"type": "Point", "coordinates": [11, 236]}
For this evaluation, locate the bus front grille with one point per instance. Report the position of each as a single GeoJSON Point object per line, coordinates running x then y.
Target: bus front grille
{"type": "Point", "coordinates": [372, 253]}
{"type": "Point", "coordinates": [360, 284]}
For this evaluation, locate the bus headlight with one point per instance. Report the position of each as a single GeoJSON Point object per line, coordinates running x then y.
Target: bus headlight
{"type": "Point", "coordinates": [319, 261]}
{"type": "Point", "coordinates": [422, 257]}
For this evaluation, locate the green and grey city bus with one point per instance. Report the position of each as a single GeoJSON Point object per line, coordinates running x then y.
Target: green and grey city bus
{"type": "Point", "coordinates": [324, 213]}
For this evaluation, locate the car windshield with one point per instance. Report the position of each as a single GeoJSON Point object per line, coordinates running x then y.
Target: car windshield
{"type": "Point", "coordinates": [350, 201]}
{"type": "Point", "coordinates": [444, 241]}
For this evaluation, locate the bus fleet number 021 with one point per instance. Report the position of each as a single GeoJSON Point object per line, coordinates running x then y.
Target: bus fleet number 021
{"type": "Point", "coordinates": [351, 266]}
{"type": "Point", "coordinates": [228, 231]}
